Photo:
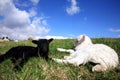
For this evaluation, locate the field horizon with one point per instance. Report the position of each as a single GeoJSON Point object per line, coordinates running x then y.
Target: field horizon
{"type": "Point", "coordinates": [38, 69]}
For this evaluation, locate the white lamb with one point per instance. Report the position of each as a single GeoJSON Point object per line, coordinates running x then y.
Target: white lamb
{"type": "Point", "coordinates": [85, 51]}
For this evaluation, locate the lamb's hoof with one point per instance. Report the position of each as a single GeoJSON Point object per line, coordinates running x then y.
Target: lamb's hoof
{"type": "Point", "coordinates": [16, 68]}
{"type": "Point", "coordinates": [53, 59]}
{"type": "Point", "coordinates": [98, 68]}
{"type": "Point", "coordinates": [65, 57]}
{"type": "Point", "coordinates": [60, 49]}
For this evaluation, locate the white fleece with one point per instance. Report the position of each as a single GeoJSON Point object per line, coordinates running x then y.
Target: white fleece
{"type": "Point", "coordinates": [104, 56]}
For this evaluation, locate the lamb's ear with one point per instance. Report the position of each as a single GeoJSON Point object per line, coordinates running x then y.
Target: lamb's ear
{"type": "Point", "coordinates": [83, 38]}
{"type": "Point", "coordinates": [35, 41]}
{"type": "Point", "coordinates": [50, 40]}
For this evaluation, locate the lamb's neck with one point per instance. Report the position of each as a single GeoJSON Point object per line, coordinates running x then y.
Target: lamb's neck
{"type": "Point", "coordinates": [82, 46]}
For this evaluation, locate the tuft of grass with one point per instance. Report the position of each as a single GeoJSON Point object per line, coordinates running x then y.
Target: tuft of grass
{"type": "Point", "coordinates": [39, 69]}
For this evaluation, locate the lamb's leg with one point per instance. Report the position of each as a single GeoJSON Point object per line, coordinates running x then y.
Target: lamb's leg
{"type": "Point", "coordinates": [98, 68]}
{"type": "Point", "coordinates": [48, 58]}
{"type": "Point", "coordinates": [73, 55]}
{"type": "Point", "coordinates": [18, 66]}
{"type": "Point", "coordinates": [65, 50]}
{"type": "Point", "coordinates": [14, 61]}
{"type": "Point", "coordinates": [73, 61]}
{"type": "Point", "coordinates": [68, 57]}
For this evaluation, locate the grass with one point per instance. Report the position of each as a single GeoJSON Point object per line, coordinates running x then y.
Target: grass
{"type": "Point", "coordinates": [39, 69]}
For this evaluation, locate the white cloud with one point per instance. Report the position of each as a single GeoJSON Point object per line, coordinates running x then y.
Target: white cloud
{"type": "Point", "coordinates": [54, 37]}
{"type": "Point", "coordinates": [114, 30]}
{"type": "Point", "coordinates": [35, 2]}
{"type": "Point", "coordinates": [32, 12]}
{"type": "Point", "coordinates": [73, 9]}
{"type": "Point", "coordinates": [119, 36]}
{"type": "Point", "coordinates": [17, 24]}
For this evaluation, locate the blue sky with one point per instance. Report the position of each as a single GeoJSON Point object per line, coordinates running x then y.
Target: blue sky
{"type": "Point", "coordinates": [59, 18]}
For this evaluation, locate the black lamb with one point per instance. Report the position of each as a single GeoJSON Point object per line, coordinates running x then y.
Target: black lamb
{"type": "Point", "coordinates": [19, 55]}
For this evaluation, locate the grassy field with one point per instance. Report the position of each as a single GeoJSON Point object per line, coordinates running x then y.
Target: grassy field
{"type": "Point", "coordinates": [39, 69]}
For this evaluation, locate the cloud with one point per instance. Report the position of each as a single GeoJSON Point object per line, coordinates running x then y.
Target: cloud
{"type": "Point", "coordinates": [17, 24]}
{"type": "Point", "coordinates": [56, 37]}
{"type": "Point", "coordinates": [114, 30]}
{"type": "Point", "coordinates": [35, 2]}
{"type": "Point", "coordinates": [119, 36]}
{"type": "Point", "coordinates": [49, 36]}
{"type": "Point", "coordinates": [73, 9]}
{"type": "Point", "coordinates": [32, 12]}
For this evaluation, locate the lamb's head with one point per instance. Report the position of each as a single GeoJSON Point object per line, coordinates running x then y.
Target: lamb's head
{"type": "Point", "coordinates": [81, 41]}
{"type": "Point", "coordinates": [43, 45]}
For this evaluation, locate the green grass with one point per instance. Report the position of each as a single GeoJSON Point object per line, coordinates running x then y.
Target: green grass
{"type": "Point", "coordinates": [39, 69]}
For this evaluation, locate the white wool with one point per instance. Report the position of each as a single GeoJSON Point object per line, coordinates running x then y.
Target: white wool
{"type": "Point", "coordinates": [104, 56]}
